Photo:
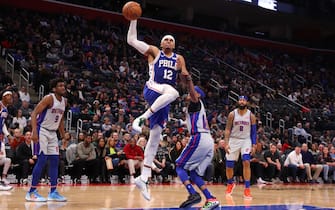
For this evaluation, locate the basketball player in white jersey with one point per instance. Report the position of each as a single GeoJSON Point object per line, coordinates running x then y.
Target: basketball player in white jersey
{"type": "Point", "coordinates": [159, 92]}
{"type": "Point", "coordinates": [46, 119]}
{"type": "Point", "coordinates": [198, 153]}
{"type": "Point", "coordinates": [240, 138]}
{"type": "Point", "coordinates": [6, 99]}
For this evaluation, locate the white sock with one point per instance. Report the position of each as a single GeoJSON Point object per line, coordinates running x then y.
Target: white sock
{"type": "Point", "coordinates": [146, 173]}
{"type": "Point", "coordinates": [148, 113]}
{"type": "Point", "coordinates": [150, 151]}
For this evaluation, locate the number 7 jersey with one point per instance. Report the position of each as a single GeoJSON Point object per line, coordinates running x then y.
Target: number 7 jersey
{"type": "Point", "coordinates": [163, 70]}
{"type": "Point", "coordinates": [51, 117]}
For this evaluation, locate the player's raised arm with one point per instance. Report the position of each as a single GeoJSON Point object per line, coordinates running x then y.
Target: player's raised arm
{"type": "Point", "coordinates": [141, 46]}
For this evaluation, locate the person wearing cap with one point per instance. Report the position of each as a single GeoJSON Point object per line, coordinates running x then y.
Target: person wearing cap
{"type": "Point", "coordinates": [240, 138]}
{"type": "Point", "coordinates": [192, 163]}
{"type": "Point", "coordinates": [6, 100]}
{"type": "Point", "coordinates": [159, 92]}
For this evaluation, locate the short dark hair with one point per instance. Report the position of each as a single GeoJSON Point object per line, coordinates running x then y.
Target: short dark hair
{"type": "Point", "coordinates": [54, 82]}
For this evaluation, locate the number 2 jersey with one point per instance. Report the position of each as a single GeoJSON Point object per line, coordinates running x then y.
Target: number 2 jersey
{"type": "Point", "coordinates": [163, 70]}
{"type": "Point", "coordinates": [51, 117]}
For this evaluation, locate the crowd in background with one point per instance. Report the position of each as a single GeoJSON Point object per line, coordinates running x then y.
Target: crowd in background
{"type": "Point", "coordinates": [105, 78]}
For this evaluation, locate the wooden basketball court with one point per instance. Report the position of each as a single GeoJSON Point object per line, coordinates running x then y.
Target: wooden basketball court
{"type": "Point", "coordinates": [103, 197]}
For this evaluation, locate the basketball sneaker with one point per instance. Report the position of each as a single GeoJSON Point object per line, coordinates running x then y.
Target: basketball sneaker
{"type": "Point", "coordinates": [210, 204]}
{"type": "Point", "coordinates": [143, 187]}
{"type": "Point", "coordinates": [5, 181]}
{"type": "Point", "coordinates": [247, 194]}
{"type": "Point", "coordinates": [191, 200]}
{"type": "Point", "coordinates": [230, 188]}
{"type": "Point", "coordinates": [138, 123]}
{"type": "Point", "coordinates": [5, 187]}
{"type": "Point", "coordinates": [35, 197]}
{"type": "Point", "coordinates": [55, 196]}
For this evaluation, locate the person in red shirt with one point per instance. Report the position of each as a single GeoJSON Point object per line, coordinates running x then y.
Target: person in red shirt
{"type": "Point", "coordinates": [17, 139]}
{"type": "Point", "coordinates": [135, 156]}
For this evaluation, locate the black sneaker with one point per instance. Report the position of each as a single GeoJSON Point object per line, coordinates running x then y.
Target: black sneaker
{"type": "Point", "coordinates": [191, 200]}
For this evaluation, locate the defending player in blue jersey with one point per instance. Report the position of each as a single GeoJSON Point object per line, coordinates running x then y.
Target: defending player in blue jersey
{"type": "Point", "coordinates": [46, 119]}
{"type": "Point", "coordinates": [198, 153]}
{"type": "Point", "coordinates": [240, 134]}
{"type": "Point", "coordinates": [159, 92]}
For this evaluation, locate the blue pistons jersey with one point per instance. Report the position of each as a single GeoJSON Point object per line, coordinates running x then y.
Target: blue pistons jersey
{"type": "Point", "coordinates": [163, 70]}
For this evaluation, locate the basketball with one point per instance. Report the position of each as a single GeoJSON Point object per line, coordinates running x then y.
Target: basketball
{"type": "Point", "coordinates": [132, 10]}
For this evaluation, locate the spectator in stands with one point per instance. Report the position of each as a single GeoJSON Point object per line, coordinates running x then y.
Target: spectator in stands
{"type": "Point", "coordinates": [258, 164]}
{"type": "Point", "coordinates": [107, 113]}
{"type": "Point", "coordinates": [24, 95]}
{"type": "Point", "coordinates": [96, 108]}
{"type": "Point", "coordinates": [81, 137]}
{"type": "Point", "coordinates": [120, 143]}
{"type": "Point", "coordinates": [135, 156]}
{"type": "Point", "coordinates": [95, 123]}
{"type": "Point", "coordinates": [17, 139]}
{"type": "Point", "coordinates": [26, 157]}
{"type": "Point", "coordinates": [100, 150]}
{"type": "Point", "coordinates": [219, 161]}
{"type": "Point", "coordinates": [63, 145]}
{"type": "Point", "coordinates": [86, 158]}
{"type": "Point", "coordinates": [71, 154]}
{"type": "Point", "coordinates": [272, 157]}
{"type": "Point", "coordinates": [142, 142]}
{"type": "Point", "coordinates": [85, 117]}
{"type": "Point", "coordinates": [294, 166]}
{"type": "Point", "coordinates": [315, 150]}
{"type": "Point", "coordinates": [310, 164]}
{"type": "Point", "coordinates": [26, 110]}
{"type": "Point", "coordinates": [174, 154]}
{"type": "Point", "coordinates": [106, 127]}
{"type": "Point", "coordinates": [301, 133]}
{"type": "Point", "coordinates": [332, 152]}
{"type": "Point", "coordinates": [67, 50]}
{"type": "Point", "coordinates": [328, 165]}
{"type": "Point", "coordinates": [118, 158]}
{"type": "Point", "coordinates": [162, 162]}
{"type": "Point", "coordinates": [20, 120]}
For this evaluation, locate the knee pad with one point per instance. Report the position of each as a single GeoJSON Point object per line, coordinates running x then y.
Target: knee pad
{"type": "Point", "coordinates": [230, 163]}
{"type": "Point", "coordinates": [245, 157]}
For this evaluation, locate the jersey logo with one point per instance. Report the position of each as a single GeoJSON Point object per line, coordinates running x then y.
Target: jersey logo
{"type": "Point", "coordinates": [167, 64]}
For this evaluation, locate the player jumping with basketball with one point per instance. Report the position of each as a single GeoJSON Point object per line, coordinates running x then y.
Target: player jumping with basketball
{"type": "Point", "coordinates": [159, 92]}
{"type": "Point", "coordinates": [240, 134]}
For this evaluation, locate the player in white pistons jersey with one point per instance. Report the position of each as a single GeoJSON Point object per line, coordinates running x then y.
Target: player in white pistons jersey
{"type": "Point", "coordinates": [46, 119]}
{"type": "Point", "coordinates": [241, 128]}
{"type": "Point", "coordinates": [199, 151]}
{"type": "Point", "coordinates": [240, 134]}
{"type": "Point", "coordinates": [159, 92]}
{"type": "Point", "coordinates": [51, 117]}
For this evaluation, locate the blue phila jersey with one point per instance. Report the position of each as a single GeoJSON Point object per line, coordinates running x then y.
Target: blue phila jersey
{"type": "Point", "coordinates": [163, 70]}
{"type": "Point", "coordinates": [197, 121]}
{"type": "Point", "coordinates": [51, 117]}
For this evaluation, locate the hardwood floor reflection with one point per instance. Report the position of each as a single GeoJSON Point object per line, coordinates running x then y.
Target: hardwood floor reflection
{"type": "Point", "coordinates": [87, 197]}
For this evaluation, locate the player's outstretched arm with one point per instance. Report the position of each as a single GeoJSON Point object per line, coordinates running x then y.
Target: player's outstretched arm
{"type": "Point", "coordinates": [141, 46]}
